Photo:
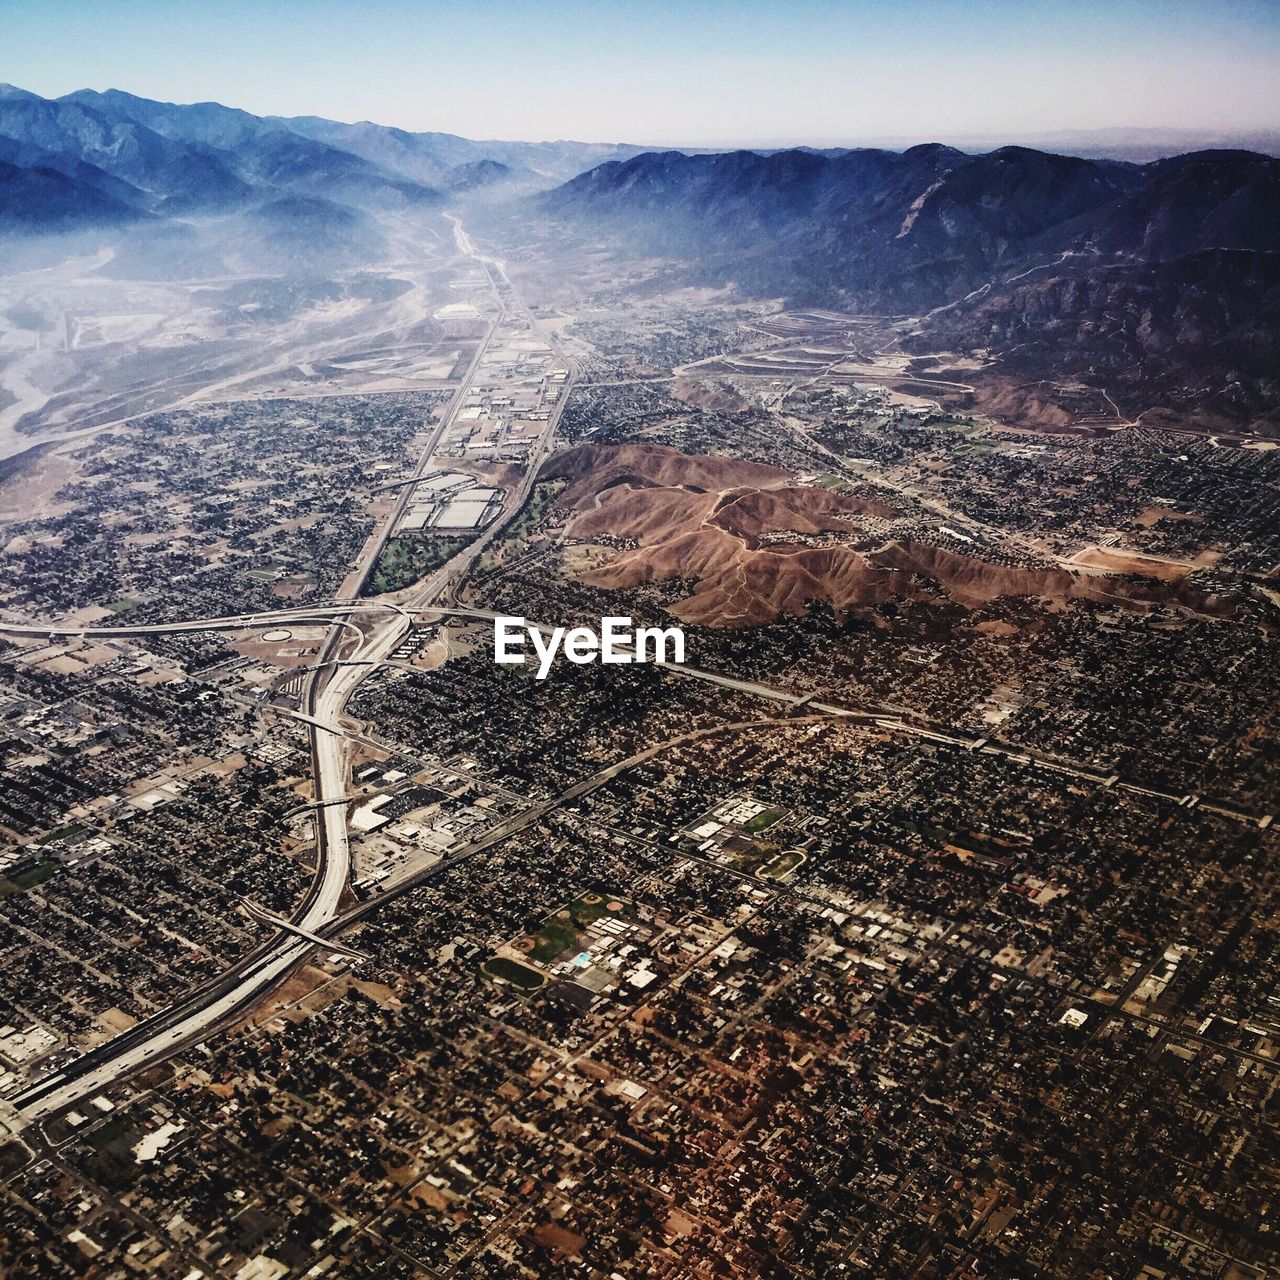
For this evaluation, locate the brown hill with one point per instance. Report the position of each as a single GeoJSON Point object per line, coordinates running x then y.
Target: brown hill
{"type": "Point", "coordinates": [646, 516]}
{"type": "Point", "coordinates": [793, 508]}
{"type": "Point", "coordinates": [706, 521]}
{"type": "Point", "coordinates": [973, 581]}
{"type": "Point", "coordinates": [593, 468]}
{"type": "Point", "coordinates": [739, 588]}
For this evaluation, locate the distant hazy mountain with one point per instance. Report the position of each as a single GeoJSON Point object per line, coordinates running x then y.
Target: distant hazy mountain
{"type": "Point", "coordinates": [1138, 145]}
{"type": "Point", "coordinates": [197, 159]}
{"type": "Point", "coordinates": [121, 156]}
{"type": "Point", "coordinates": [910, 229]}
{"type": "Point", "coordinates": [922, 227]}
{"type": "Point", "coordinates": [1174, 286]}
{"type": "Point", "coordinates": [432, 157]}
{"type": "Point", "coordinates": [1053, 262]}
{"type": "Point", "coordinates": [161, 170]}
{"type": "Point", "coordinates": [123, 196]}
{"type": "Point", "coordinates": [477, 174]}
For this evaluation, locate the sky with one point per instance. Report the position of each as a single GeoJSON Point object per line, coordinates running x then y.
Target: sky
{"type": "Point", "coordinates": [696, 72]}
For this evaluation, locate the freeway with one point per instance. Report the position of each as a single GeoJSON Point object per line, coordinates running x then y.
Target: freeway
{"type": "Point", "coordinates": [261, 916]}
{"type": "Point", "coordinates": [220, 1003]}
{"type": "Point", "coordinates": [512, 826]}
{"type": "Point", "coordinates": [892, 721]}
{"type": "Point", "coordinates": [217, 1003]}
{"type": "Point", "coordinates": [156, 1038]}
{"type": "Point", "coordinates": [214, 1004]}
{"type": "Point", "coordinates": [323, 613]}
{"type": "Point", "coordinates": [332, 680]}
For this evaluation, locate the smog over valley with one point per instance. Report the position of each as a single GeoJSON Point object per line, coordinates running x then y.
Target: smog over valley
{"type": "Point", "coordinates": [640, 640]}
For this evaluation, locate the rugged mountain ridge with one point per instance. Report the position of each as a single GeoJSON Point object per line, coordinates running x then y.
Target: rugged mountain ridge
{"type": "Point", "coordinates": [1122, 274]}
{"type": "Point", "coordinates": [53, 198]}
{"type": "Point", "coordinates": [920, 227]}
{"type": "Point", "coordinates": [1052, 264]}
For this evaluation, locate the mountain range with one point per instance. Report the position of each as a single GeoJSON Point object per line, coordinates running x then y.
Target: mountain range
{"type": "Point", "coordinates": [103, 159]}
{"type": "Point", "coordinates": [919, 228]}
{"type": "Point", "coordinates": [1049, 264]}
{"type": "Point", "coordinates": [1052, 264]}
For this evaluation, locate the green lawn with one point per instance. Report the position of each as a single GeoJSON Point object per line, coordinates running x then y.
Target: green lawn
{"type": "Point", "coordinates": [112, 1131]}
{"type": "Point", "coordinates": [591, 906]}
{"type": "Point", "coordinates": [71, 829]}
{"type": "Point", "coordinates": [565, 925]}
{"type": "Point", "coordinates": [406, 560]}
{"type": "Point", "coordinates": [111, 1161]}
{"type": "Point", "coordinates": [751, 860]}
{"type": "Point", "coordinates": [28, 879]}
{"type": "Point", "coordinates": [762, 821]}
{"type": "Point", "coordinates": [782, 865]}
{"type": "Point", "coordinates": [115, 1170]}
{"type": "Point", "coordinates": [552, 939]}
{"type": "Point", "coordinates": [519, 975]}
{"type": "Point", "coordinates": [515, 539]}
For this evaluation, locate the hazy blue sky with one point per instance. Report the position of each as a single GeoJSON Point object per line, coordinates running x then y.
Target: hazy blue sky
{"type": "Point", "coordinates": [701, 71]}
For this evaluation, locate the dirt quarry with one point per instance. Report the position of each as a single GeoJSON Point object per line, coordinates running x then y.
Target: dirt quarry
{"type": "Point", "coordinates": [755, 545]}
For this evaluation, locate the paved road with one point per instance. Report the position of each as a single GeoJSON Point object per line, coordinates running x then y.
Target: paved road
{"type": "Point", "coordinates": [528, 817]}
{"type": "Point", "coordinates": [890, 721]}
{"type": "Point", "coordinates": [324, 613]}
{"type": "Point", "coordinates": [212, 1006]}
{"type": "Point", "coordinates": [330, 684]}
{"type": "Point", "coordinates": [215, 1005]}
